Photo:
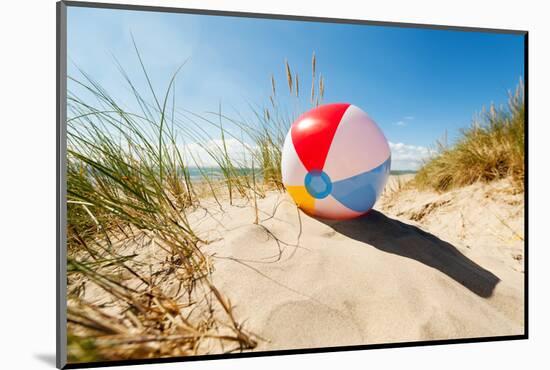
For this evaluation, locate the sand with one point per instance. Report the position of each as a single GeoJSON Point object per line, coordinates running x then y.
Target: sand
{"type": "Point", "coordinates": [421, 266]}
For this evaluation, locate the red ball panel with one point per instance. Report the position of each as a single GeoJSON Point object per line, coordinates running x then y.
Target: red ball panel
{"type": "Point", "coordinates": [313, 131]}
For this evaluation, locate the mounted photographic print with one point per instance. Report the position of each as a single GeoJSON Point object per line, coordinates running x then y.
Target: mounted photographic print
{"type": "Point", "coordinates": [235, 184]}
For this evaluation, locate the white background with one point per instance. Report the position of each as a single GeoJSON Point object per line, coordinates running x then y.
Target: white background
{"type": "Point", "coordinates": [27, 185]}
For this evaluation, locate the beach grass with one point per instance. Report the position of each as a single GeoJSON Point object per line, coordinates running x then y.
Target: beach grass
{"type": "Point", "coordinates": [492, 148]}
{"type": "Point", "coordinates": [129, 186]}
{"type": "Point", "coordinates": [127, 182]}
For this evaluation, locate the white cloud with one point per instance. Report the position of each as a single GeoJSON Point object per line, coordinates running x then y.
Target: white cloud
{"type": "Point", "coordinates": [401, 123]}
{"type": "Point", "coordinates": [408, 157]}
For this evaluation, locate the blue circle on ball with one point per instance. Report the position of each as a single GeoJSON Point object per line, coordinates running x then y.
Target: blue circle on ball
{"type": "Point", "coordinates": [318, 184]}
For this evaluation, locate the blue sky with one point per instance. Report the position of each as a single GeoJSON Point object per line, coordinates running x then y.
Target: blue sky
{"type": "Point", "coordinates": [416, 84]}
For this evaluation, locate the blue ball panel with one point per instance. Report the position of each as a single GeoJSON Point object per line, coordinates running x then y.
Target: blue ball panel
{"type": "Point", "coordinates": [359, 193]}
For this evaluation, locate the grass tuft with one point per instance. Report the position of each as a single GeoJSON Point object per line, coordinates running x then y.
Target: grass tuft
{"type": "Point", "coordinates": [492, 148]}
{"type": "Point", "coordinates": [129, 189]}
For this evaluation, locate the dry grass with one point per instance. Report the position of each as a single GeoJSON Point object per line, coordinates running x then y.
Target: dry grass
{"type": "Point", "coordinates": [135, 306]}
{"type": "Point", "coordinates": [492, 148]}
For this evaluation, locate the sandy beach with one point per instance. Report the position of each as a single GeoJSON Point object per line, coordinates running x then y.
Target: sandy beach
{"type": "Point", "coordinates": [420, 266]}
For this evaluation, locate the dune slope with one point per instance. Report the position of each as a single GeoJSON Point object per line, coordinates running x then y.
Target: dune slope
{"type": "Point", "coordinates": [422, 266]}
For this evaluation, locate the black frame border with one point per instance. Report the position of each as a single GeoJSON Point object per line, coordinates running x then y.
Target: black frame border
{"type": "Point", "coordinates": [61, 214]}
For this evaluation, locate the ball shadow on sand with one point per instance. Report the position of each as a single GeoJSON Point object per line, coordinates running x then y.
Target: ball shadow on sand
{"type": "Point", "coordinates": [396, 237]}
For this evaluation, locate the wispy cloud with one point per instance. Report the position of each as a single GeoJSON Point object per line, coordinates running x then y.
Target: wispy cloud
{"type": "Point", "coordinates": [404, 121]}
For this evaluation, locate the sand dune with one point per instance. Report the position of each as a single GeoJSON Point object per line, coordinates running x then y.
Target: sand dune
{"type": "Point", "coordinates": [422, 266]}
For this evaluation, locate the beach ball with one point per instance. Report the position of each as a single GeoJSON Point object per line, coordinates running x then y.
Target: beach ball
{"type": "Point", "coordinates": [335, 162]}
